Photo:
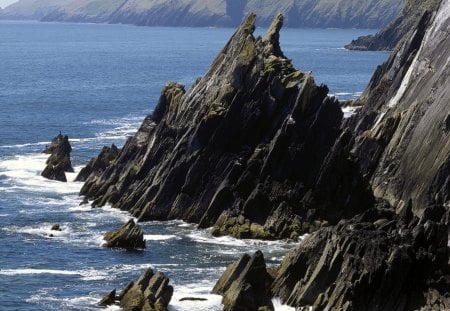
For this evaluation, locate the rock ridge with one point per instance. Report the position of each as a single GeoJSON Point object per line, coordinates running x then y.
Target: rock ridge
{"type": "Point", "coordinates": [247, 142]}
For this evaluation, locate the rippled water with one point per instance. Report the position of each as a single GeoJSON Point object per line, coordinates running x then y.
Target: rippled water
{"type": "Point", "coordinates": [96, 83]}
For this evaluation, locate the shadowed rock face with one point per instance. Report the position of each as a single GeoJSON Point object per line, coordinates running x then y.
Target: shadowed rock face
{"type": "Point", "coordinates": [59, 160]}
{"type": "Point", "coordinates": [242, 149]}
{"type": "Point", "coordinates": [394, 256]}
{"type": "Point", "coordinates": [245, 285]}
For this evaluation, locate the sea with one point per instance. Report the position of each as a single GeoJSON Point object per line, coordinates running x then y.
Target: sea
{"type": "Point", "coordinates": [95, 83]}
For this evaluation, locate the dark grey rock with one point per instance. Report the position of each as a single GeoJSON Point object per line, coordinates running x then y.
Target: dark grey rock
{"type": "Point", "coordinates": [129, 236]}
{"type": "Point", "coordinates": [59, 160]}
{"type": "Point", "coordinates": [245, 285]}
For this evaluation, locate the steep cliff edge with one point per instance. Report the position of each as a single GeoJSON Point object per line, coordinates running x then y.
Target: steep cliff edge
{"type": "Point", "coordinates": [394, 256]}
{"type": "Point", "coordinates": [241, 150]}
{"type": "Point", "coordinates": [390, 36]}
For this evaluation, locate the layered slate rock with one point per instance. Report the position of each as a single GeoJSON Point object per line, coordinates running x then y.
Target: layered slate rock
{"type": "Point", "coordinates": [151, 292]}
{"type": "Point", "coordinates": [375, 261]}
{"type": "Point", "coordinates": [245, 285]}
{"type": "Point", "coordinates": [241, 149]}
{"type": "Point", "coordinates": [58, 162]}
{"type": "Point", "coordinates": [394, 255]}
{"type": "Point", "coordinates": [129, 236]}
{"type": "Point", "coordinates": [99, 164]}
{"type": "Point", "coordinates": [392, 34]}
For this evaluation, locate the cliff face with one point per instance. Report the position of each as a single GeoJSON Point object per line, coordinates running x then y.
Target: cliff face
{"type": "Point", "coordinates": [242, 149]}
{"type": "Point", "coordinates": [298, 13]}
{"type": "Point", "coordinates": [395, 255]}
{"type": "Point", "coordinates": [388, 37]}
{"type": "Point", "coordinates": [256, 149]}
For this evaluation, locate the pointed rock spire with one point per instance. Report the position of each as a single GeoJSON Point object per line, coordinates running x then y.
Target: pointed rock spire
{"type": "Point", "coordinates": [273, 35]}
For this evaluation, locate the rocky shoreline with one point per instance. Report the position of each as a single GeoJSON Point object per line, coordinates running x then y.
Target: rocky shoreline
{"type": "Point", "coordinates": [256, 149]}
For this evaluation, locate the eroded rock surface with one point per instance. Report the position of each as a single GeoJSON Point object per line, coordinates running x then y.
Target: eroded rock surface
{"type": "Point", "coordinates": [245, 285]}
{"type": "Point", "coordinates": [240, 150]}
{"type": "Point", "coordinates": [58, 163]}
{"type": "Point", "coordinates": [129, 236]}
{"type": "Point", "coordinates": [98, 164]}
{"type": "Point", "coordinates": [151, 292]}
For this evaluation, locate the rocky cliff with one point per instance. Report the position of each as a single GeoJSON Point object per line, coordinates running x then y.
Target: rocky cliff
{"type": "Point", "coordinates": [298, 13]}
{"type": "Point", "coordinates": [246, 142]}
{"type": "Point", "coordinates": [395, 255]}
{"type": "Point", "coordinates": [256, 149]}
{"type": "Point", "coordinates": [388, 37]}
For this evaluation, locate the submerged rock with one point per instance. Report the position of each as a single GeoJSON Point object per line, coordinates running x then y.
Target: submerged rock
{"type": "Point", "coordinates": [59, 161]}
{"type": "Point", "coordinates": [151, 292]}
{"type": "Point", "coordinates": [245, 285]}
{"type": "Point", "coordinates": [129, 236]}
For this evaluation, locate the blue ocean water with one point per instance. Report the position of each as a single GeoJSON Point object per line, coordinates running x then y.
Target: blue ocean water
{"type": "Point", "coordinates": [96, 83]}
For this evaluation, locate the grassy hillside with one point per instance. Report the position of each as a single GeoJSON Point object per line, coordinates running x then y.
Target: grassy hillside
{"type": "Point", "coordinates": [298, 13]}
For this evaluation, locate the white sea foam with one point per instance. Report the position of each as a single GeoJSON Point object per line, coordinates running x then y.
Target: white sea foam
{"type": "Point", "coordinates": [25, 170]}
{"type": "Point", "coordinates": [159, 237]}
{"type": "Point", "coordinates": [349, 111]}
{"type": "Point", "coordinates": [204, 236]}
{"type": "Point", "coordinates": [279, 306]}
{"type": "Point", "coordinates": [195, 290]}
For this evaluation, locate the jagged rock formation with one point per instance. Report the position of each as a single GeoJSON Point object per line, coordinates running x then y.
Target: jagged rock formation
{"type": "Point", "coordinates": [376, 261]}
{"type": "Point", "coordinates": [59, 161]}
{"type": "Point", "coordinates": [258, 150]}
{"type": "Point", "coordinates": [390, 36]}
{"type": "Point", "coordinates": [395, 255]}
{"type": "Point", "coordinates": [299, 13]}
{"type": "Point", "coordinates": [246, 144]}
{"type": "Point", "coordinates": [99, 164]}
{"type": "Point", "coordinates": [245, 285]}
{"type": "Point", "coordinates": [129, 236]}
{"type": "Point", "coordinates": [151, 292]}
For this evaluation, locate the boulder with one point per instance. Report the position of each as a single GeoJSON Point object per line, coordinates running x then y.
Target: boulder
{"type": "Point", "coordinates": [59, 160]}
{"type": "Point", "coordinates": [151, 292]}
{"type": "Point", "coordinates": [129, 236]}
{"type": "Point", "coordinates": [245, 285]}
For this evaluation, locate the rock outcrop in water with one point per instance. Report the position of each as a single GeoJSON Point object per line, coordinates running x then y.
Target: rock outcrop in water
{"type": "Point", "coordinates": [151, 292]}
{"type": "Point", "coordinates": [129, 236]}
{"type": "Point", "coordinates": [59, 161]}
{"type": "Point", "coordinates": [241, 150]}
{"type": "Point", "coordinates": [390, 36]}
{"type": "Point", "coordinates": [245, 285]}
